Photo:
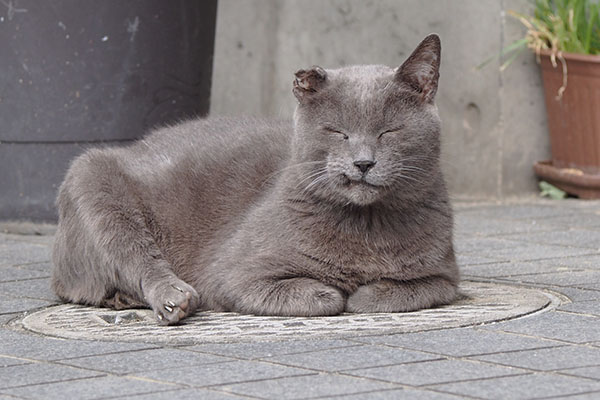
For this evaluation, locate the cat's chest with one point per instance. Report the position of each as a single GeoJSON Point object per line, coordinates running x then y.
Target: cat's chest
{"type": "Point", "coordinates": [351, 262]}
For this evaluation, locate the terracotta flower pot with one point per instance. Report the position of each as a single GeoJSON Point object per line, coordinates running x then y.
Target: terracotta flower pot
{"type": "Point", "coordinates": [574, 125]}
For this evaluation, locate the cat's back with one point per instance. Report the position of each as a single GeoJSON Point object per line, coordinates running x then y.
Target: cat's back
{"type": "Point", "coordinates": [218, 140]}
{"type": "Point", "coordinates": [200, 177]}
{"type": "Point", "coordinates": [203, 151]}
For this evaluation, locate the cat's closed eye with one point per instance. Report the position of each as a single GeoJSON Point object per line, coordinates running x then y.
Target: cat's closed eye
{"type": "Point", "coordinates": [334, 131]}
{"type": "Point", "coordinates": [390, 131]}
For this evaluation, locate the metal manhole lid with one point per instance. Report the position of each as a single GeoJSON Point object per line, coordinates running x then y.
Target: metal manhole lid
{"type": "Point", "coordinates": [483, 303]}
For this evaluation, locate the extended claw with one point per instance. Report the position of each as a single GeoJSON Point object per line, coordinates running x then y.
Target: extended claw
{"type": "Point", "coordinates": [170, 304]}
{"type": "Point", "coordinates": [177, 288]}
{"type": "Point", "coordinates": [169, 309]}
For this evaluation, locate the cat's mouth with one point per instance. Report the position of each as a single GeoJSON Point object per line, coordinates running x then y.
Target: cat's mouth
{"type": "Point", "coordinates": [362, 182]}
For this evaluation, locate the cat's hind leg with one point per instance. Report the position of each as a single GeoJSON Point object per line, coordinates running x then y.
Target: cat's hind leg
{"type": "Point", "coordinates": [389, 295]}
{"type": "Point", "coordinates": [104, 247]}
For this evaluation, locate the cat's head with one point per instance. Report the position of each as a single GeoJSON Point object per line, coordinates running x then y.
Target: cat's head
{"type": "Point", "coordinates": [365, 132]}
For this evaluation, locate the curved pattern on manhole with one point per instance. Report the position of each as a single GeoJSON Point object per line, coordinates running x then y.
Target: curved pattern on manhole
{"type": "Point", "coordinates": [482, 303]}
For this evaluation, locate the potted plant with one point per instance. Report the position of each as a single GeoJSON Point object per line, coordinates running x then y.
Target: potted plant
{"type": "Point", "coordinates": [565, 36]}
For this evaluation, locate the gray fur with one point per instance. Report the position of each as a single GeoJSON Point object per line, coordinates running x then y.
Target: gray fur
{"type": "Point", "coordinates": [272, 218]}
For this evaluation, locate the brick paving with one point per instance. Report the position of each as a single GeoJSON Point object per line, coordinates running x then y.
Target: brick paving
{"type": "Point", "coordinates": [553, 246]}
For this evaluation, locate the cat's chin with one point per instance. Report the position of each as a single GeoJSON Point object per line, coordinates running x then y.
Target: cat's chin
{"type": "Point", "coordinates": [361, 193]}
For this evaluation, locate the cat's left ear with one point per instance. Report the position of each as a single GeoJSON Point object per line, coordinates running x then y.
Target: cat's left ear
{"type": "Point", "coordinates": [421, 70]}
{"type": "Point", "coordinates": [308, 82]}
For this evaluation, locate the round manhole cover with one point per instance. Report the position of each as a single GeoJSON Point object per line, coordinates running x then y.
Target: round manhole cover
{"type": "Point", "coordinates": [481, 303]}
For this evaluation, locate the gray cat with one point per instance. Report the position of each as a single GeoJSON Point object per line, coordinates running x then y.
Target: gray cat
{"type": "Point", "coordinates": [344, 210]}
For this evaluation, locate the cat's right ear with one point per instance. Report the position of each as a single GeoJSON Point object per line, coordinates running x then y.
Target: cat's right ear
{"type": "Point", "coordinates": [308, 82]}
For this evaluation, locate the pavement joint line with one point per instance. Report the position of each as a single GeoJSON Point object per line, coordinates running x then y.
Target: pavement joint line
{"type": "Point", "coordinates": [471, 276]}
{"type": "Point", "coordinates": [132, 376]}
{"type": "Point", "coordinates": [428, 387]}
{"type": "Point", "coordinates": [563, 372]}
{"type": "Point", "coordinates": [465, 357]}
{"type": "Point", "coordinates": [245, 396]}
{"type": "Point", "coordinates": [323, 373]}
{"type": "Point", "coordinates": [531, 336]}
{"type": "Point", "coordinates": [544, 287]}
{"type": "Point", "coordinates": [578, 313]}
{"type": "Point", "coordinates": [57, 381]}
{"type": "Point", "coordinates": [528, 260]}
{"type": "Point", "coordinates": [568, 396]}
{"type": "Point", "coordinates": [214, 386]}
{"type": "Point", "coordinates": [135, 395]}
{"type": "Point", "coordinates": [153, 347]}
{"type": "Point", "coordinates": [124, 374]}
{"type": "Point", "coordinates": [276, 355]}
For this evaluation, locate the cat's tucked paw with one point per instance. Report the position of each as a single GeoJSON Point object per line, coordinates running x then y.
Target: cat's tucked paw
{"type": "Point", "coordinates": [363, 300]}
{"type": "Point", "coordinates": [173, 301]}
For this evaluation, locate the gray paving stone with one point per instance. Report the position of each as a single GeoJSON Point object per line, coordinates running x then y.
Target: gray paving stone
{"type": "Point", "coordinates": [36, 373]}
{"type": "Point", "coordinates": [515, 269]}
{"type": "Point", "coordinates": [91, 388]}
{"type": "Point", "coordinates": [27, 231]}
{"type": "Point", "coordinates": [433, 372]}
{"type": "Point", "coordinates": [7, 397]}
{"type": "Point", "coordinates": [144, 360]}
{"type": "Point", "coordinates": [555, 325]}
{"type": "Point", "coordinates": [475, 225]}
{"type": "Point", "coordinates": [575, 221]}
{"type": "Point", "coordinates": [6, 361]}
{"type": "Point", "coordinates": [10, 305]}
{"type": "Point", "coordinates": [528, 252]}
{"type": "Point", "coordinates": [10, 273]}
{"type": "Point", "coordinates": [512, 270]}
{"type": "Point", "coordinates": [269, 349]}
{"type": "Point", "coordinates": [469, 259]}
{"type": "Point", "coordinates": [547, 359]}
{"type": "Point", "coordinates": [586, 372]}
{"type": "Point", "coordinates": [584, 396]}
{"type": "Point", "coordinates": [571, 237]}
{"type": "Point", "coordinates": [188, 394]}
{"type": "Point", "coordinates": [594, 286]}
{"type": "Point", "coordinates": [570, 278]}
{"type": "Point", "coordinates": [398, 394]}
{"type": "Point", "coordinates": [6, 318]}
{"type": "Point", "coordinates": [482, 247]}
{"type": "Point", "coordinates": [461, 342]}
{"type": "Point", "coordinates": [223, 373]}
{"type": "Point", "coordinates": [43, 348]}
{"type": "Point", "coordinates": [582, 307]}
{"type": "Point", "coordinates": [307, 387]}
{"type": "Point", "coordinates": [352, 357]}
{"type": "Point", "coordinates": [532, 386]}
{"type": "Point", "coordinates": [31, 288]}
{"type": "Point", "coordinates": [578, 295]}
{"type": "Point", "coordinates": [15, 253]}
{"type": "Point", "coordinates": [535, 211]}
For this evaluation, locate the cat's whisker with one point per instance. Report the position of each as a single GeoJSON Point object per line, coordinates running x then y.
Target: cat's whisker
{"type": "Point", "coordinates": [291, 166]}
{"type": "Point", "coordinates": [413, 170]}
{"type": "Point", "coordinates": [400, 178]}
{"type": "Point", "coordinates": [310, 176]}
{"type": "Point", "coordinates": [318, 180]}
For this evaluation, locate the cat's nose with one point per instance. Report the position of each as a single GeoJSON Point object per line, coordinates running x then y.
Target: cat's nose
{"type": "Point", "coordinates": [364, 165]}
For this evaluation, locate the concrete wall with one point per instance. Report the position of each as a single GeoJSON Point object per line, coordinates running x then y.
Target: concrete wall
{"type": "Point", "coordinates": [494, 124]}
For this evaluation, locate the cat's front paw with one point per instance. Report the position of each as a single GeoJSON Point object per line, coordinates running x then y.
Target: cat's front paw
{"type": "Point", "coordinates": [172, 301]}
